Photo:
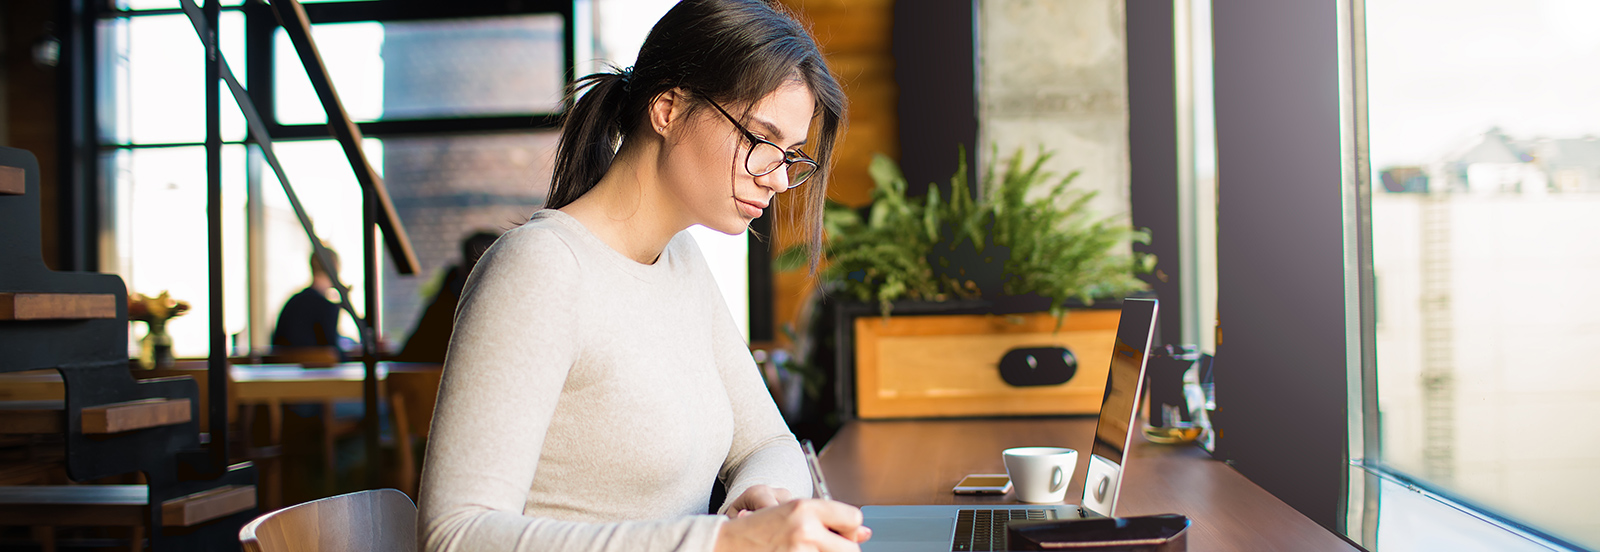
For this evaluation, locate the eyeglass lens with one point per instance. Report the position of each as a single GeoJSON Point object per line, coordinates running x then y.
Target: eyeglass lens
{"type": "Point", "coordinates": [765, 158]}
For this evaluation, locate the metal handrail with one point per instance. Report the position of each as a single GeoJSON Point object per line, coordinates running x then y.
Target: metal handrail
{"type": "Point", "coordinates": [379, 211]}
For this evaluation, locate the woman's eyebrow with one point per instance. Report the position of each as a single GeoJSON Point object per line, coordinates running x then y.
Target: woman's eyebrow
{"type": "Point", "coordinates": [773, 132]}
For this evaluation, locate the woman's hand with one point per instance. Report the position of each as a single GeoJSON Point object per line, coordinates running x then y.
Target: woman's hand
{"type": "Point", "coordinates": [756, 498]}
{"type": "Point", "coordinates": [809, 525]}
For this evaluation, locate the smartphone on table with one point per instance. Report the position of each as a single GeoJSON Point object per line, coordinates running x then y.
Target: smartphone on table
{"type": "Point", "coordinates": [984, 483]}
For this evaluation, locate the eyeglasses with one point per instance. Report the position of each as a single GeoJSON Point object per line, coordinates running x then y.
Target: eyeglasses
{"type": "Point", "coordinates": [765, 156]}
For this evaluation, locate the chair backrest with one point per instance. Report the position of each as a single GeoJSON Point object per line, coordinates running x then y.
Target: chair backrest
{"type": "Point", "coordinates": [382, 520]}
{"type": "Point", "coordinates": [417, 391]}
{"type": "Point", "coordinates": [309, 357]}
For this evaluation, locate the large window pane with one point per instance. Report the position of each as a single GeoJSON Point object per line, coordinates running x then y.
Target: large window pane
{"type": "Point", "coordinates": [162, 218]}
{"type": "Point", "coordinates": [352, 54]}
{"type": "Point", "coordinates": [1485, 243]}
{"type": "Point", "coordinates": [421, 69]}
{"type": "Point", "coordinates": [1198, 173]}
{"type": "Point", "coordinates": [327, 188]}
{"type": "Point", "coordinates": [160, 92]}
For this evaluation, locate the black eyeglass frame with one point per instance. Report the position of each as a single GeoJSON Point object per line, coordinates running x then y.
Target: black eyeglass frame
{"type": "Point", "coordinates": [790, 157]}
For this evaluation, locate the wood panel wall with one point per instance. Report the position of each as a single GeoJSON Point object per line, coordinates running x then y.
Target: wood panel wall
{"type": "Point", "coordinates": [855, 38]}
{"type": "Point", "coordinates": [30, 105]}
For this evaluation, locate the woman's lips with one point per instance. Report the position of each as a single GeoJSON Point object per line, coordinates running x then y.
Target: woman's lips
{"type": "Point", "coordinates": [750, 209]}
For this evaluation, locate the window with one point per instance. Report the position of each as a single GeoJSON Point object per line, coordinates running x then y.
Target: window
{"type": "Point", "coordinates": [1485, 155]}
{"type": "Point", "coordinates": [463, 140]}
{"type": "Point", "coordinates": [1197, 173]}
{"type": "Point", "coordinates": [155, 161]}
{"type": "Point", "coordinates": [457, 102]}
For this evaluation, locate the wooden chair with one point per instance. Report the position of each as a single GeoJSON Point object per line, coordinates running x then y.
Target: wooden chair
{"type": "Point", "coordinates": [268, 458]}
{"type": "Point", "coordinates": [332, 428]}
{"type": "Point", "coordinates": [411, 398]}
{"type": "Point", "coordinates": [310, 357]}
{"type": "Point", "coordinates": [382, 520]}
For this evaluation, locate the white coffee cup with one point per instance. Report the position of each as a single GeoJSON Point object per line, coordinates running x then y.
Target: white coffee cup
{"type": "Point", "coordinates": [1040, 474]}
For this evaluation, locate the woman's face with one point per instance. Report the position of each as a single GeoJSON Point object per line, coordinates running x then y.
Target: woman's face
{"type": "Point", "coordinates": [704, 161]}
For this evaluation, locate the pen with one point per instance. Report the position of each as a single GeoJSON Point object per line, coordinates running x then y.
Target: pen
{"type": "Point", "coordinates": [817, 483]}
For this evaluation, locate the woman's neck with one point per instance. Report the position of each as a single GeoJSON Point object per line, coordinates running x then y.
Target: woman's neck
{"type": "Point", "coordinates": [626, 211]}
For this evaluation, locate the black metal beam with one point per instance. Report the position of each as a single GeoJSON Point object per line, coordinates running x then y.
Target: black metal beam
{"type": "Point", "coordinates": [934, 47]}
{"type": "Point", "coordinates": [414, 127]}
{"type": "Point", "coordinates": [1281, 367]}
{"type": "Point", "coordinates": [217, 362]}
{"type": "Point", "coordinates": [759, 272]}
{"type": "Point", "coordinates": [412, 10]}
{"type": "Point", "coordinates": [259, 27]}
{"type": "Point", "coordinates": [77, 200]}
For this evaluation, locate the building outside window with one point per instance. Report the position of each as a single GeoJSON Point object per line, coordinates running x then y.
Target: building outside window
{"type": "Point", "coordinates": [1485, 150]}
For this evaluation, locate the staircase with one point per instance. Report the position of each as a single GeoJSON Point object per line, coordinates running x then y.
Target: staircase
{"type": "Point", "coordinates": [1438, 341]}
{"type": "Point", "coordinates": [109, 424]}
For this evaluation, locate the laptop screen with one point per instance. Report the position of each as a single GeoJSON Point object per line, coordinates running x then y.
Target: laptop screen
{"type": "Point", "coordinates": [1124, 382]}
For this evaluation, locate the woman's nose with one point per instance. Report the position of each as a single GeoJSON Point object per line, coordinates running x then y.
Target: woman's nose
{"type": "Point", "coordinates": [777, 181]}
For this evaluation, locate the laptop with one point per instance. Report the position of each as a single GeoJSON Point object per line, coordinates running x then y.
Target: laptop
{"type": "Point", "coordinates": [958, 527]}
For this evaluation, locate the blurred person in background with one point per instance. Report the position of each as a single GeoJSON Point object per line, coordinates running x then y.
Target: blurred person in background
{"type": "Point", "coordinates": [308, 326]}
{"type": "Point", "coordinates": [431, 336]}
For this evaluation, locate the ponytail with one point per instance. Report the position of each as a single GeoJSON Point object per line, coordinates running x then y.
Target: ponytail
{"type": "Point", "coordinates": [729, 51]}
{"type": "Point", "coordinates": [591, 131]}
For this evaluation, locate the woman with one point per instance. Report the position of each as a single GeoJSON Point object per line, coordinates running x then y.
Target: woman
{"type": "Point", "coordinates": [596, 385]}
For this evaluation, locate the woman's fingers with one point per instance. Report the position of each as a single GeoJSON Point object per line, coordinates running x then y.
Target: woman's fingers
{"type": "Point", "coordinates": [809, 524]}
{"type": "Point", "coordinates": [758, 497]}
{"type": "Point", "coordinates": [841, 519]}
{"type": "Point", "coordinates": [862, 534]}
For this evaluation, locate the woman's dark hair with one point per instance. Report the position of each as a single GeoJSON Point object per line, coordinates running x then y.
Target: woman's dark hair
{"type": "Point", "coordinates": [732, 51]}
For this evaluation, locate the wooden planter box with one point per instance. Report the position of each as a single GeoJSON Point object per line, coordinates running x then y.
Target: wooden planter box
{"type": "Point", "coordinates": [931, 360]}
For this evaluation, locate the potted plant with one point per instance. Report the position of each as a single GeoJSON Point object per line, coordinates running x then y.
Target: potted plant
{"type": "Point", "coordinates": [155, 349]}
{"type": "Point", "coordinates": [983, 275]}
{"type": "Point", "coordinates": [936, 249]}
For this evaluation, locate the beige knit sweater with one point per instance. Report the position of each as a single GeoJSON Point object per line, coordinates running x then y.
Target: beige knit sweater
{"type": "Point", "coordinates": [589, 402]}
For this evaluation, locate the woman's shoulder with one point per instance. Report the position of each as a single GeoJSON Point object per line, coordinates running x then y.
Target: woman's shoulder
{"type": "Point", "coordinates": [542, 247]}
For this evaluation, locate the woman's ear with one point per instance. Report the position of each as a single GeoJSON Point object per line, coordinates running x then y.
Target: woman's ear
{"type": "Point", "coordinates": [668, 108]}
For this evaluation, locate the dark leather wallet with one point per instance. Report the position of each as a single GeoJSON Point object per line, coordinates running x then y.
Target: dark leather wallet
{"type": "Point", "coordinates": [1158, 533]}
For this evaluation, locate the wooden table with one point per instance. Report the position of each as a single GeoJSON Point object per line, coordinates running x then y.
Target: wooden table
{"type": "Point", "coordinates": [290, 383]}
{"type": "Point", "coordinates": [251, 385]}
{"type": "Point", "coordinates": [919, 461]}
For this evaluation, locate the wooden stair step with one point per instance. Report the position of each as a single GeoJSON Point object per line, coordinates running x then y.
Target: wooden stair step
{"type": "Point", "coordinates": [38, 471]}
{"type": "Point", "coordinates": [79, 505]}
{"type": "Point", "coordinates": [13, 181]}
{"type": "Point", "coordinates": [45, 417]}
{"type": "Point", "coordinates": [132, 415]}
{"type": "Point", "coordinates": [57, 306]}
{"type": "Point", "coordinates": [208, 505]}
{"type": "Point", "coordinates": [32, 385]}
{"type": "Point", "coordinates": [32, 417]}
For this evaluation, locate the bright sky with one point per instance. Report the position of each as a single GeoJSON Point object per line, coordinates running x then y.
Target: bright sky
{"type": "Point", "coordinates": [1442, 71]}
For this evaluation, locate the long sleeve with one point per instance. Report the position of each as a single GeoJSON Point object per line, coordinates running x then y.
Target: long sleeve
{"type": "Point", "coordinates": [518, 335]}
{"type": "Point", "coordinates": [764, 451]}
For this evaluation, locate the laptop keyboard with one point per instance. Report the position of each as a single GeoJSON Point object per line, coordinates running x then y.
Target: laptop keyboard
{"type": "Point", "coordinates": [984, 530]}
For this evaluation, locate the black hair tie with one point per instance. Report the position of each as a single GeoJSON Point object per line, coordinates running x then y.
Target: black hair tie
{"type": "Point", "coordinates": [627, 79]}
